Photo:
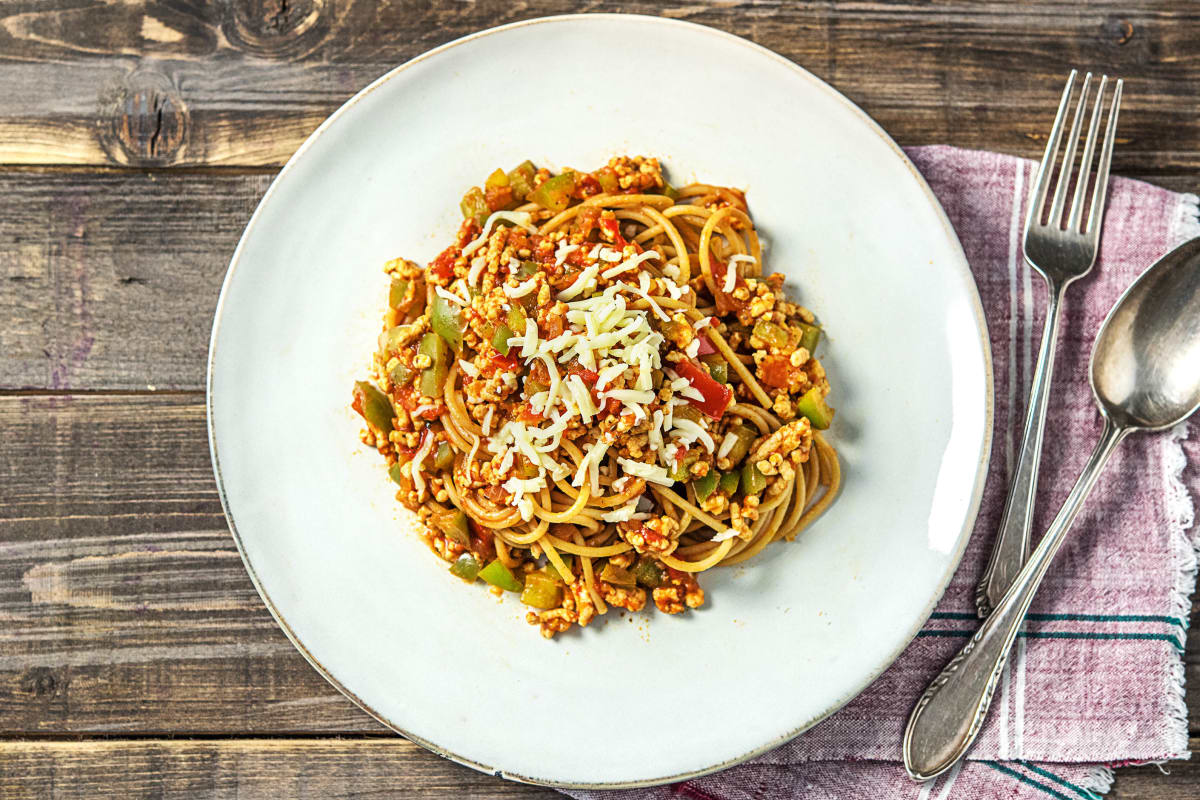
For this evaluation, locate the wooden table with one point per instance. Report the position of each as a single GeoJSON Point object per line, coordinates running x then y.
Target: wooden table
{"type": "Point", "coordinates": [135, 140]}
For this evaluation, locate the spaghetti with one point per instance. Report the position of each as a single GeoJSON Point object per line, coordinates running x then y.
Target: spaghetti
{"type": "Point", "coordinates": [594, 393]}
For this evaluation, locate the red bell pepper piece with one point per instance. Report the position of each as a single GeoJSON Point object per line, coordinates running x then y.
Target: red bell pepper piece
{"type": "Point", "coordinates": [716, 396]}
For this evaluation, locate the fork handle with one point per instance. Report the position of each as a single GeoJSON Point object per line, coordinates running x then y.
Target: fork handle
{"type": "Point", "coordinates": [1011, 547]}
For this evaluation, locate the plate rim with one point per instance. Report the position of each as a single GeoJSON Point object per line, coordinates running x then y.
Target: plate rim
{"type": "Point", "coordinates": [962, 267]}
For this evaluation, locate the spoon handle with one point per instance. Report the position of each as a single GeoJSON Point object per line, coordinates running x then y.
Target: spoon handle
{"type": "Point", "coordinates": [950, 713]}
{"type": "Point", "coordinates": [1011, 547]}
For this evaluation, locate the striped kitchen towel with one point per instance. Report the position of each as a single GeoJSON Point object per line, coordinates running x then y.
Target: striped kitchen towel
{"type": "Point", "coordinates": [1096, 679]}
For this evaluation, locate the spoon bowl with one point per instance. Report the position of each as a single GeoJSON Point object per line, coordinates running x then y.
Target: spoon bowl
{"type": "Point", "coordinates": [1145, 366]}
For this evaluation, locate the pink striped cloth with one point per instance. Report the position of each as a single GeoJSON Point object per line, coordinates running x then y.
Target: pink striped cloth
{"type": "Point", "coordinates": [1097, 677]}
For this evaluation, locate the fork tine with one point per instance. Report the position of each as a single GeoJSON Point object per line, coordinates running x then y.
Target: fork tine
{"type": "Point", "coordinates": [1085, 162]}
{"type": "Point", "coordinates": [1101, 190]}
{"type": "Point", "coordinates": [1040, 187]}
{"type": "Point", "coordinates": [1068, 162]}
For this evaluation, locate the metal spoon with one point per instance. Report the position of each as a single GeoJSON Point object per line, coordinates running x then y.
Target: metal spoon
{"type": "Point", "coordinates": [1145, 374]}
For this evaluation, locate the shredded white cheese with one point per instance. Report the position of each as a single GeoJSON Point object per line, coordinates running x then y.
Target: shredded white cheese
{"type": "Point", "coordinates": [625, 266]}
{"type": "Point", "coordinates": [521, 289]}
{"type": "Point", "coordinates": [417, 460]}
{"type": "Point", "coordinates": [728, 533]}
{"type": "Point", "coordinates": [467, 368]}
{"type": "Point", "coordinates": [449, 296]}
{"type": "Point", "coordinates": [621, 513]}
{"type": "Point", "coordinates": [694, 432]}
{"type": "Point", "coordinates": [520, 218]}
{"type": "Point", "coordinates": [726, 445]}
{"type": "Point", "coordinates": [646, 471]}
{"type": "Point", "coordinates": [487, 420]}
{"type": "Point", "coordinates": [585, 281]}
{"type": "Point", "coordinates": [564, 250]}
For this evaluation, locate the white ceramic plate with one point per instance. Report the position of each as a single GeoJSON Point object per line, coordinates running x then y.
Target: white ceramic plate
{"type": "Point", "coordinates": [784, 640]}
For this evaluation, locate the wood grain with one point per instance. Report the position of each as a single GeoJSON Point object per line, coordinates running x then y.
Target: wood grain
{"type": "Point", "coordinates": [331, 769]}
{"type": "Point", "coordinates": [250, 769]}
{"type": "Point", "coordinates": [243, 83]}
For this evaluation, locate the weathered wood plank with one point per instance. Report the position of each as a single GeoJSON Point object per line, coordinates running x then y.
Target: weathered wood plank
{"type": "Point", "coordinates": [241, 769]}
{"type": "Point", "coordinates": [243, 83]}
{"type": "Point", "coordinates": [123, 604]}
{"type": "Point", "coordinates": [110, 280]}
{"type": "Point", "coordinates": [329, 768]}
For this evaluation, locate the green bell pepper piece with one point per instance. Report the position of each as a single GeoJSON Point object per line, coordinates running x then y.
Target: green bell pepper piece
{"type": "Point", "coordinates": [497, 574]}
{"type": "Point", "coordinates": [474, 206]}
{"type": "Point", "coordinates": [618, 576]}
{"type": "Point", "coordinates": [398, 292]}
{"type": "Point", "coordinates": [497, 180]}
{"type": "Point", "coordinates": [455, 527]}
{"type": "Point", "coordinates": [500, 339]}
{"type": "Point", "coordinates": [400, 375]}
{"type": "Point", "coordinates": [607, 180]}
{"type": "Point", "coordinates": [706, 485]}
{"type": "Point", "coordinates": [447, 322]}
{"type": "Point", "coordinates": [772, 334]}
{"type": "Point", "coordinates": [520, 178]}
{"type": "Point", "coordinates": [649, 573]}
{"type": "Point", "coordinates": [542, 591]}
{"type": "Point", "coordinates": [813, 406]}
{"type": "Point", "coordinates": [729, 482]}
{"type": "Point", "coordinates": [745, 437]}
{"type": "Point", "coordinates": [753, 481]}
{"type": "Point", "coordinates": [394, 472]}
{"type": "Point", "coordinates": [810, 337]}
{"type": "Point", "coordinates": [376, 407]}
{"type": "Point", "coordinates": [434, 376]}
{"type": "Point", "coordinates": [682, 468]}
{"type": "Point", "coordinates": [555, 194]}
{"type": "Point", "coordinates": [444, 458]}
{"type": "Point", "coordinates": [466, 567]}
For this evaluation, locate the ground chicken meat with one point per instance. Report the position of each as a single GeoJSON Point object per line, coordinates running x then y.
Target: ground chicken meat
{"type": "Point", "coordinates": [679, 590]}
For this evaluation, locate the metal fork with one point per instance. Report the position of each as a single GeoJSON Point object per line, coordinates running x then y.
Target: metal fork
{"type": "Point", "coordinates": [1060, 251]}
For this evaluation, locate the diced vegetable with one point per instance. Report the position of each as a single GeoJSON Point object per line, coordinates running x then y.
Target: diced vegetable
{"type": "Point", "coordinates": [682, 467]}
{"type": "Point", "coordinates": [389, 340]}
{"type": "Point", "coordinates": [687, 412]}
{"type": "Point", "coordinates": [447, 322]}
{"type": "Point", "coordinates": [541, 591]}
{"type": "Point", "coordinates": [500, 339]}
{"type": "Point", "coordinates": [527, 268]}
{"type": "Point", "coordinates": [669, 190]}
{"type": "Point", "coordinates": [813, 406]}
{"type": "Point", "coordinates": [374, 406]}
{"type": "Point", "coordinates": [520, 178]}
{"type": "Point", "coordinates": [715, 396]}
{"type": "Point", "coordinates": [704, 345]}
{"type": "Point", "coordinates": [444, 458]}
{"type": "Point", "coordinates": [555, 194]}
{"type": "Point", "coordinates": [497, 179]}
{"type": "Point", "coordinates": [454, 525]}
{"type": "Point", "coordinates": [618, 576]}
{"type": "Point", "coordinates": [753, 481]}
{"type": "Point", "coordinates": [433, 377]}
{"type": "Point", "coordinates": [706, 485]}
{"type": "Point", "coordinates": [771, 333]}
{"type": "Point", "coordinates": [466, 567]}
{"type": "Point", "coordinates": [533, 386]}
{"type": "Point", "coordinates": [474, 205]}
{"type": "Point", "coordinates": [607, 178]}
{"type": "Point", "coordinates": [397, 293]}
{"type": "Point", "coordinates": [745, 437]}
{"type": "Point", "coordinates": [719, 371]}
{"type": "Point", "coordinates": [395, 472]}
{"type": "Point", "coordinates": [527, 469]}
{"type": "Point", "coordinates": [648, 573]}
{"type": "Point", "coordinates": [497, 574]}
{"type": "Point", "coordinates": [810, 337]}
{"type": "Point", "coordinates": [400, 375]}
{"type": "Point", "coordinates": [516, 320]}
{"type": "Point", "coordinates": [730, 481]}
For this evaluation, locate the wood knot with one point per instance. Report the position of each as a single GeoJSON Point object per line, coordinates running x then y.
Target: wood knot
{"type": "Point", "coordinates": [39, 682]}
{"type": "Point", "coordinates": [1119, 30]}
{"type": "Point", "coordinates": [280, 29]}
{"type": "Point", "coordinates": [144, 120]}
